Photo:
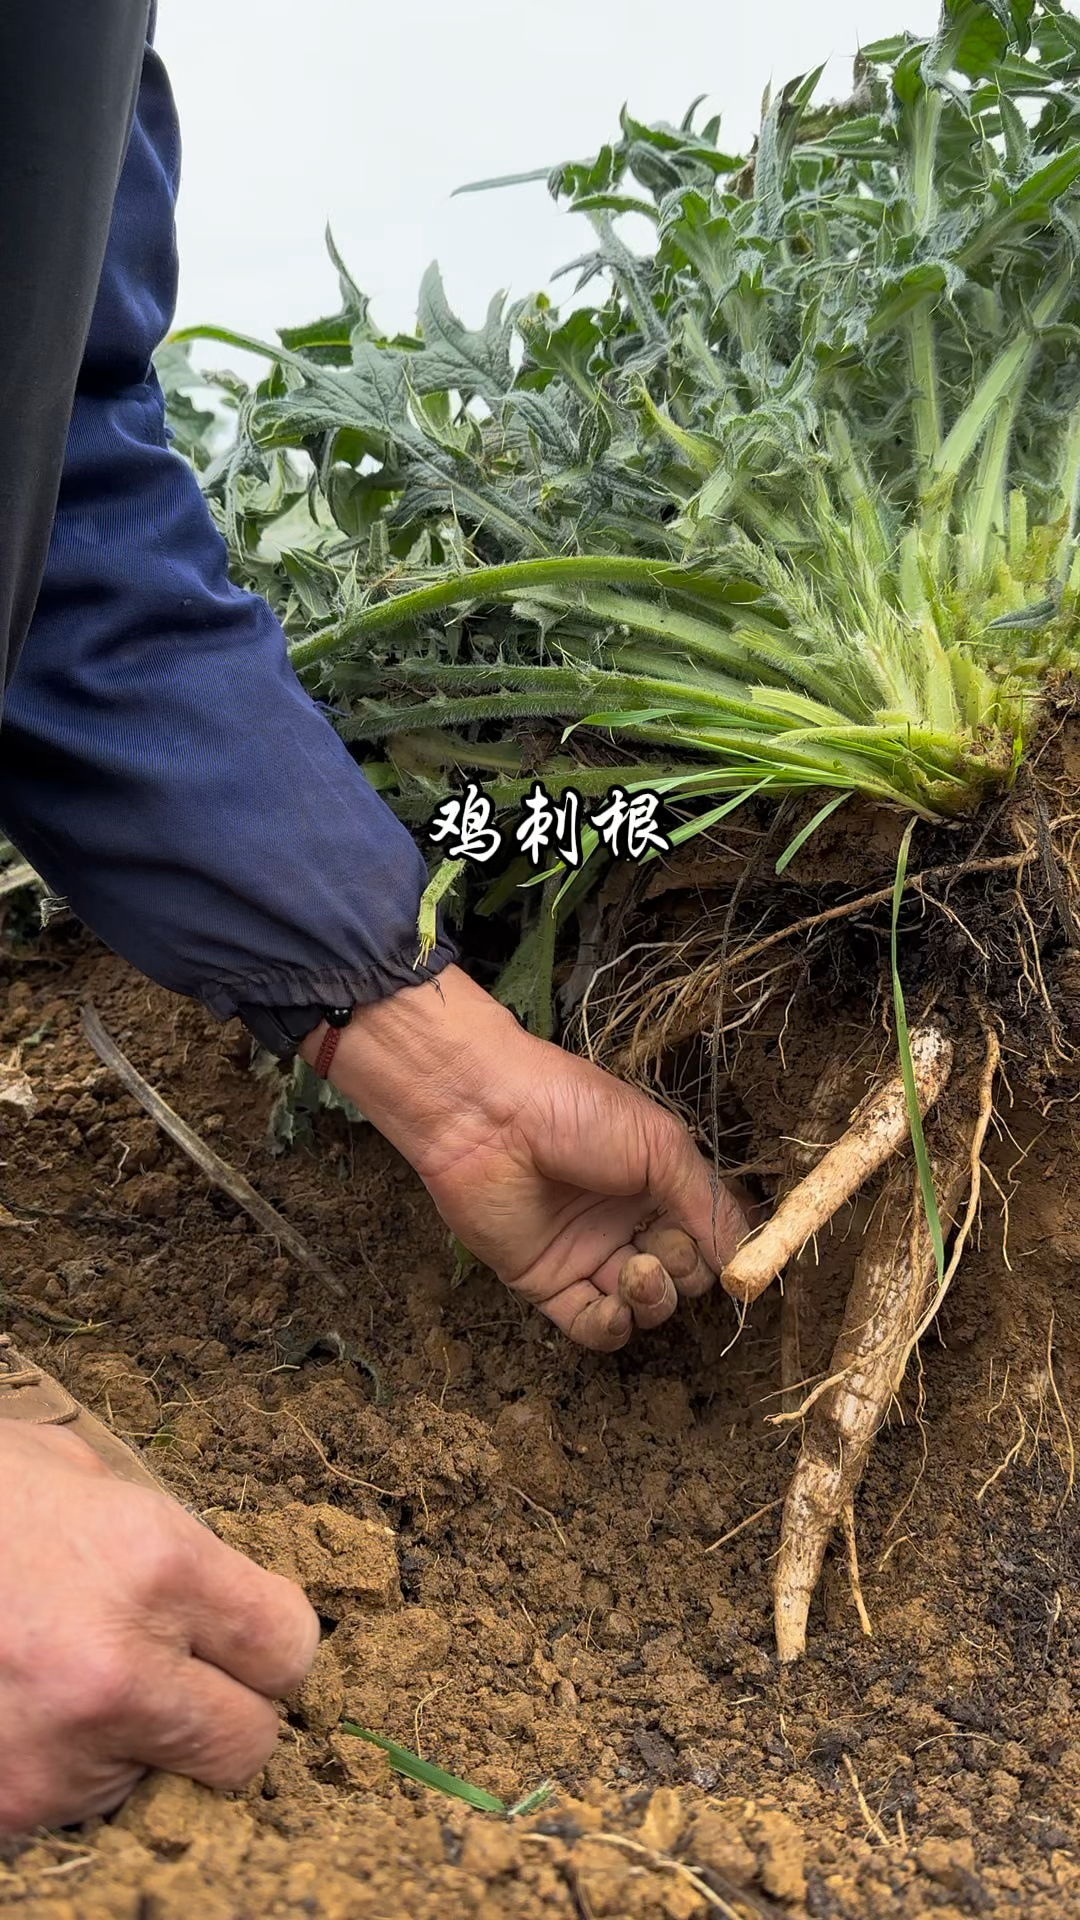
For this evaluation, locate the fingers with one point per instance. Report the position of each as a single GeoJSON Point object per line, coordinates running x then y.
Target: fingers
{"type": "Point", "coordinates": [36, 1793]}
{"type": "Point", "coordinates": [208, 1727]}
{"type": "Point", "coordinates": [589, 1316]}
{"type": "Point", "coordinates": [604, 1324]}
{"type": "Point", "coordinates": [683, 1185]}
{"type": "Point", "coordinates": [667, 1263]}
{"type": "Point", "coordinates": [636, 1286]}
{"type": "Point", "coordinates": [254, 1625]}
{"type": "Point", "coordinates": [679, 1255]}
{"type": "Point", "coordinates": [647, 1288]}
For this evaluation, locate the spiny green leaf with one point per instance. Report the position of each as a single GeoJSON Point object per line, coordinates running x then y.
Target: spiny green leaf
{"type": "Point", "coordinates": [452, 356]}
{"type": "Point", "coordinates": [1029, 205]}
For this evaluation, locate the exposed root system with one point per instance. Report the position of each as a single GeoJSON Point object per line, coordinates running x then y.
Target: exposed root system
{"type": "Point", "coordinates": [892, 1277]}
{"type": "Point", "coordinates": [834, 1096]}
{"type": "Point", "coordinates": [514, 1543]}
{"type": "Point", "coordinates": [892, 1301]}
{"type": "Point", "coordinates": [987, 940]}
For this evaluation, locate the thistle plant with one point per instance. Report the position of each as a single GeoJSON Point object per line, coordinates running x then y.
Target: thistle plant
{"type": "Point", "coordinates": [788, 502]}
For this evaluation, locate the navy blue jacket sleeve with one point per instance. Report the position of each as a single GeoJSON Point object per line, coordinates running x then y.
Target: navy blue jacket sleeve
{"type": "Point", "coordinates": [160, 764]}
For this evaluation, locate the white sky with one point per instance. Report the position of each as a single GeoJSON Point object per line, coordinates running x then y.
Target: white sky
{"type": "Point", "coordinates": [299, 111]}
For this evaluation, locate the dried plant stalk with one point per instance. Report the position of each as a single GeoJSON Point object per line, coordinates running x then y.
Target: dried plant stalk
{"type": "Point", "coordinates": [211, 1164]}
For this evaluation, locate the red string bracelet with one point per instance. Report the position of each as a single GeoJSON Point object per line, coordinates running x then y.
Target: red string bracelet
{"type": "Point", "coordinates": [327, 1051]}
{"type": "Point", "coordinates": [337, 1019]}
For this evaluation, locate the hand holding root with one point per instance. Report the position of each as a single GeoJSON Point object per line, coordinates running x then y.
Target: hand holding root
{"type": "Point", "coordinates": [541, 1163]}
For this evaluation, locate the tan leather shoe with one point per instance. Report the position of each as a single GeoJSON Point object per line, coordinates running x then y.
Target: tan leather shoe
{"type": "Point", "coordinates": [28, 1393]}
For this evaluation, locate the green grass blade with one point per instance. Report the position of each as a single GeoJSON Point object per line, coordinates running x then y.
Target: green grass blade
{"type": "Point", "coordinates": [811, 827]}
{"type": "Point", "coordinates": [689, 829]}
{"type": "Point", "coordinates": [424, 1774]}
{"type": "Point", "coordinates": [918, 1138]}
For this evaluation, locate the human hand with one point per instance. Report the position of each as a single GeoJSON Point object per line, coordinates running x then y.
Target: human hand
{"type": "Point", "coordinates": [133, 1638]}
{"type": "Point", "coordinates": [588, 1199]}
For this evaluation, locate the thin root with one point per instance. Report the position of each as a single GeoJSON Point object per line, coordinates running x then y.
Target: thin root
{"type": "Point", "coordinates": [848, 1522]}
{"type": "Point", "coordinates": [791, 1312]}
{"type": "Point", "coordinates": [873, 1822]}
{"type": "Point", "coordinates": [1070, 1444]}
{"type": "Point", "coordinates": [991, 1063]}
{"type": "Point", "coordinates": [1003, 1467]}
{"type": "Point", "coordinates": [675, 995]}
{"type": "Point", "coordinates": [734, 1532]}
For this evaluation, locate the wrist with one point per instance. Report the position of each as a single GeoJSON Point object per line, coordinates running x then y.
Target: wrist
{"type": "Point", "coordinates": [429, 1066]}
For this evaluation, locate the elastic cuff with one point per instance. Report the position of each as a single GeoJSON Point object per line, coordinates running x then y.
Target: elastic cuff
{"type": "Point", "coordinates": [332, 988]}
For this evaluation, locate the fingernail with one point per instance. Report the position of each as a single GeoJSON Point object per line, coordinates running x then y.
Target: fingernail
{"type": "Point", "coordinates": [642, 1282]}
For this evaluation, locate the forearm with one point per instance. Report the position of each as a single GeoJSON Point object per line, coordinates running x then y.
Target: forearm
{"type": "Point", "coordinates": [208, 824]}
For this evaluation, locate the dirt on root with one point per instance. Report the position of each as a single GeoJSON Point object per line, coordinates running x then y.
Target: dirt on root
{"type": "Point", "coordinates": [536, 1563]}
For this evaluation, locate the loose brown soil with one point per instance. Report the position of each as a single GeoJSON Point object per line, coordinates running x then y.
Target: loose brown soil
{"type": "Point", "coordinates": [512, 1543]}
